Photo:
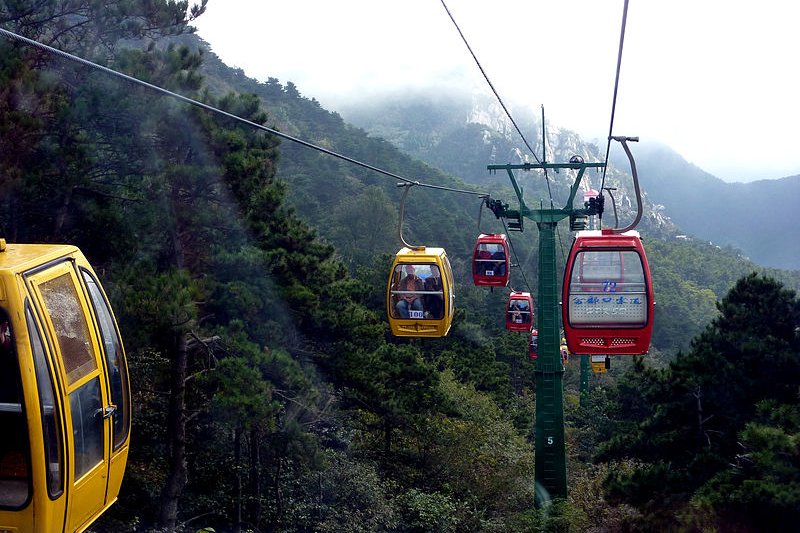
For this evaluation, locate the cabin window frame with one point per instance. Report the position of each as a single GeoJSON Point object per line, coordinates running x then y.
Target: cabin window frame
{"type": "Point", "coordinates": [85, 394]}
{"type": "Point", "coordinates": [395, 293]}
{"type": "Point", "coordinates": [116, 369]}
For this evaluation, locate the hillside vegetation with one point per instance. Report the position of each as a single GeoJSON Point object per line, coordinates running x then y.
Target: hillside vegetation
{"type": "Point", "coordinates": [248, 276]}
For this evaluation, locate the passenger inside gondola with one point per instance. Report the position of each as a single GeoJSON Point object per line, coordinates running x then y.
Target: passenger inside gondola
{"type": "Point", "coordinates": [483, 263]}
{"type": "Point", "coordinates": [499, 258]}
{"type": "Point", "coordinates": [417, 292]}
{"type": "Point", "coordinates": [519, 312]}
{"type": "Point", "coordinates": [409, 291]}
{"type": "Point", "coordinates": [490, 260]}
{"type": "Point", "coordinates": [434, 296]}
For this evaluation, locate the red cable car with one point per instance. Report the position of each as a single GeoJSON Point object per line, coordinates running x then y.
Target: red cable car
{"type": "Point", "coordinates": [519, 312]}
{"type": "Point", "coordinates": [490, 260]}
{"type": "Point", "coordinates": [533, 345]}
{"type": "Point", "coordinates": [607, 300]}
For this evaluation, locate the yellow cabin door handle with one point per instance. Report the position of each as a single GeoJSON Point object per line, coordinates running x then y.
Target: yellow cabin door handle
{"type": "Point", "coordinates": [109, 410]}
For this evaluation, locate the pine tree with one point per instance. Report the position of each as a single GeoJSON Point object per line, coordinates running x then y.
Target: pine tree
{"type": "Point", "coordinates": [709, 396]}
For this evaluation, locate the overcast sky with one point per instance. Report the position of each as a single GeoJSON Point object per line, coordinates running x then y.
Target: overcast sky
{"type": "Point", "coordinates": [716, 80]}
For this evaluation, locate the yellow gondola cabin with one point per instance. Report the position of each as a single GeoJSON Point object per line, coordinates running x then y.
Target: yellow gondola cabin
{"type": "Point", "coordinates": [64, 396]}
{"type": "Point", "coordinates": [600, 363]}
{"type": "Point", "coordinates": [420, 296]}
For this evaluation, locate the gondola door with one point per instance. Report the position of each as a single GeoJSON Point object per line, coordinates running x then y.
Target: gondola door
{"type": "Point", "coordinates": [69, 329]}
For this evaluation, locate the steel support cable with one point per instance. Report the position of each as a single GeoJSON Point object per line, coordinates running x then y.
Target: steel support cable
{"type": "Point", "coordinates": [516, 258]}
{"type": "Point", "coordinates": [561, 247]}
{"type": "Point", "coordinates": [207, 107]}
{"type": "Point", "coordinates": [544, 158]}
{"type": "Point", "coordinates": [486, 77]}
{"type": "Point", "coordinates": [614, 100]}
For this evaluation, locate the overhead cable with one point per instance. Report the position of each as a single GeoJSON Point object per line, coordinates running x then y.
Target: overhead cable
{"type": "Point", "coordinates": [500, 101]}
{"type": "Point", "coordinates": [207, 107]}
{"type": "Point", "coordinates": [516, 257]}
{"type": "Point", "coordinates": [486, 77]}
{"type": "Point", "coordinates": [616, 86]}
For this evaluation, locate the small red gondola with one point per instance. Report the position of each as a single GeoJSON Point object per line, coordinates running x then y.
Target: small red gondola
{"type": "Point", "coordinates": [607, 304]}
{"type": "Point", "coordinates": [490, 260]}
{"type": "Point", "coordinates": [533, 345]}
{"type": "Point", "coordinates": [519, 312]}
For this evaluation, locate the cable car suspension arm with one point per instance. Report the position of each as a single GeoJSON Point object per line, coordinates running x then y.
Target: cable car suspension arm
{"type": "Point", "coordinates": [624, 141]}
{"type": "Point", "coordinates": [407, 186]}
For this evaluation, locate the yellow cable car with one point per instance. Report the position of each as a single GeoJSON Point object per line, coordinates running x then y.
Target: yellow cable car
{"type": "Point", "coordinates": [65, 411]}
{"type": "Point", "coordinates": [420, 294]}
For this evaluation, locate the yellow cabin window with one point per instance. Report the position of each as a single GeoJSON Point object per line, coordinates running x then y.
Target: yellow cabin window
{"type": "Point", "coordinates": [69, 321]}
{"type": "Point", "coordinates": [51, 426]}
{"type": "Point", "coordinates": [417, 292]}
{"type": "Point", "coordinates": [86, 405]}
{"type": "Point", "coordinates": [86, 402]}
{"type": "Point", "coordinates": [115, 361]}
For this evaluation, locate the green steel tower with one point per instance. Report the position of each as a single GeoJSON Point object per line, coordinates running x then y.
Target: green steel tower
{"type": "Point", "coordinates": [551, 463]}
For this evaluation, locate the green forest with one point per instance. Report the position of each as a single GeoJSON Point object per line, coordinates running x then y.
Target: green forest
{"type": "Point", "coordinates": [248, 277]}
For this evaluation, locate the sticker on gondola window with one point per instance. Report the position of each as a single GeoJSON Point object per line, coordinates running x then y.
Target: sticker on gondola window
{"type": "Point", "coordinates": [415, 314]}
{"type": "Point", "coordinates": [609, 286]}
{"type": "Point", "coordinates": [490, 272]}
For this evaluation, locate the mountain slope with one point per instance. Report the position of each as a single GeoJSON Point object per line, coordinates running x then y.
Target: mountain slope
{"type": "Point", "coordinates": [754, 217]}
{"type": "Point", "coordinates": [357, 209]}
{"type": "Point", "coordinates": [461, 135]}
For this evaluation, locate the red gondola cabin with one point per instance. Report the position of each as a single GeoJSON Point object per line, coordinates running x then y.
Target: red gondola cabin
{"type": "Point", "coordinates": [519, 312]}
{"type": "Point", "coordinates": [490, 260]}
{"type": "Point", "coordinates": [607, 304]}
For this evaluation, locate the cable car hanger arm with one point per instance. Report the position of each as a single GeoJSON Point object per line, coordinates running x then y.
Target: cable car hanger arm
{"type": "Point", "coordinates": [624, 142]}
{"type": "Point", "coordinates": [407, 186]}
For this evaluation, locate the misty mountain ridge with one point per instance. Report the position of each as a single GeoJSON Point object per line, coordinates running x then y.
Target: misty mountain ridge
{"type": "Point", "coordinates": [462, 134]}
{"type": "Point", "coordinates": [750, 216]}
